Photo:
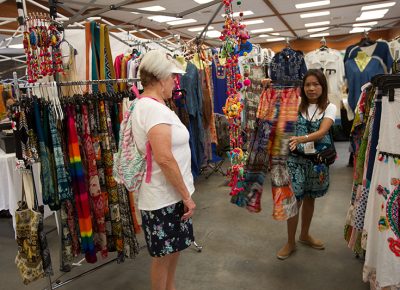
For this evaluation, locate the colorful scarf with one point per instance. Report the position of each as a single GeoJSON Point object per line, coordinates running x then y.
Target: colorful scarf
{"type": "Point", "coordinates": [80, 190]}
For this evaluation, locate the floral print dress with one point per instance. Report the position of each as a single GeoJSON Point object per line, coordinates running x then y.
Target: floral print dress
{"type": "Point", "coordinates": [309, 179]}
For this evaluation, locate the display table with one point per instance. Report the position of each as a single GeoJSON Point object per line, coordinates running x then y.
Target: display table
{"type": "Point", "coordinates": [11, 185]}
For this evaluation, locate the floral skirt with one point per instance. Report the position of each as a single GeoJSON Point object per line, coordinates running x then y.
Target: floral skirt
{"type": "Point", "coordinates": [164, 230]}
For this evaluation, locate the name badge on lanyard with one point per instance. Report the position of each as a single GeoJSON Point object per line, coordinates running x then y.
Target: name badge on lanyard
{"type": "Point", "coordinates": [309, 148]}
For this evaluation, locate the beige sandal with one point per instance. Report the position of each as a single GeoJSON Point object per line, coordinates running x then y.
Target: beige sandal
{"type": "Point", "coordinates": [283, 255]}
{"type": "Point", "coordinates": [315, 244]}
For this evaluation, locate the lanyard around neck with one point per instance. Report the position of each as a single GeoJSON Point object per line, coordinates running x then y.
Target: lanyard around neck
{"type": "Point", "coordinates": [313, 114]}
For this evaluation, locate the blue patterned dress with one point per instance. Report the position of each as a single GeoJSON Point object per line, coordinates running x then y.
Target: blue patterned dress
{"type": "Point", "coordinates": [307, 178]}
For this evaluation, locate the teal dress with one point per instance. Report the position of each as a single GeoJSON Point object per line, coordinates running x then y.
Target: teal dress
{"type": "Point", "coordinates": [307, 178]}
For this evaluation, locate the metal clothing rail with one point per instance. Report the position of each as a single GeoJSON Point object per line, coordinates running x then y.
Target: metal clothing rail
{"type": "Point", "coordinates": [75, 83]}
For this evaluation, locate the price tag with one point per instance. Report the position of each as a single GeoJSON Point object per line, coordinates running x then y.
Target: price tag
{"type": "Point", "coordinates": [309, 148]}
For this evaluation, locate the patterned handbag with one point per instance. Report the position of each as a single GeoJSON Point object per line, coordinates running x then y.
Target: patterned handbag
{"type": "Point", "coordinates": [29, 260]}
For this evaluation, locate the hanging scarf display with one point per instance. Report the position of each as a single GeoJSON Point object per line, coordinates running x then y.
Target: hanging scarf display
{"type": "Point", "coordinates": [49, 191]}
{"type": "Point", "coordinates": [80, 189]}
{"type": "Point", "coordinates": [94, 186]}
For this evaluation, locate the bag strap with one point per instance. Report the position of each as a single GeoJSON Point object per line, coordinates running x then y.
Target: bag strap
{"type": "Point", "coordinates": [135, 90]}
{"type": "Point", "coordinates": [331, 135]}
{"type": "Point", "coordinates": [149, 161]}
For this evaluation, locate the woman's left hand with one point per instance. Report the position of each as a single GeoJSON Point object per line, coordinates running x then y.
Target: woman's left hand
{"type": "Point", "coordinates": [294, 141]}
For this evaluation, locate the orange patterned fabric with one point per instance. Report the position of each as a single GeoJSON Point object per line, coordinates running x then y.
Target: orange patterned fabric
{"type": "Point", "coordinates": [3, 110]}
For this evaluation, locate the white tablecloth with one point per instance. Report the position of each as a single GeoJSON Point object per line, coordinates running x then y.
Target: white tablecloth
{"type": "Point", "coordinates": [11, 185]}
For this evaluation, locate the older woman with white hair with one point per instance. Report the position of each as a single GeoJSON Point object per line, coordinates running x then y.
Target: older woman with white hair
{"type": "Point", "coordinates": [165, 202]}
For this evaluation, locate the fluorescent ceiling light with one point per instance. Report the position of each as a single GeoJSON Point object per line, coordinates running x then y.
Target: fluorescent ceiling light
{"type": "Point", "coordinates": [312, 4]}
{"type": "Point", "coordinates": [261, 30]}
{"type": "Point", "coordinates": [263, 35]}
{"type": "Point", "coordinates": [160, 18]}
{"type": "Point", "coordinates": [212, 33]}
{"type": "Point", "coordinates": [373, 14]}
{"type": "Point", "coordinates": [317, 29]}
{"type": "Point", "coordinates": [200, 28]}
{"type": "Point", "coordinates": [182, 21]}
{"type": "Point", "coordinates": [202, 1]}
{"type": "Point", "coordinates": [19, 45]}
{"type": "Point", "coordinates": [315, 14]}
{"type": "Point", "coordinates": [359, 29]}
{"type": "Point", "coordinates": [317, 23]}
{"type": "Point", "coordinates": [251, 22]}
{"type": "Point", "coordinates": [236, 14]}
{"type": "Point", "coordinates": [275, 33]}
{"type": "Point", "coordinates": [365, 24]}
{"type": "Point", "coordinates": [134, 31]}
{"type": "Point", "coordinates": [320, 34]}
{"type": "Point", "coordinates": [153, 8]}
{"type": "Point", "coordinates": [378, 6]}
{"type": "Point", "coordinates": [275, 39]}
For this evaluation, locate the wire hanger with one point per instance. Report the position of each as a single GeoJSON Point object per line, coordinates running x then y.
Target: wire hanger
{"type": "Point", "coordinates": [365, 40]}
{"type": "Point", "coordinates": [323, 44]}
{"type": "Point", "coordinates": [287, 42]}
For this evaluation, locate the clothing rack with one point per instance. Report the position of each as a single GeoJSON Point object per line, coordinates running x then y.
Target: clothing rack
{"type": "Point", "coordinates": [66, 268]}
{"type": "Point", "coordinates": [76, 83]}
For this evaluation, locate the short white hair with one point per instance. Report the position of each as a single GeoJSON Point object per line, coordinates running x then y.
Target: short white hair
{"type": "Point", "coordinates": [159, 64]}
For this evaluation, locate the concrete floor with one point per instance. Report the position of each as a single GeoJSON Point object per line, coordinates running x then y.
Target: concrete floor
{"type": "Point", "coordinates": [239, 248]}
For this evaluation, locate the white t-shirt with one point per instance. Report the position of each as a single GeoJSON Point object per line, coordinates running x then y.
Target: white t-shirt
{"type": "Point", "coordinates": [330, 112]}
{"type": "Point", "coordinates": [159, 192]}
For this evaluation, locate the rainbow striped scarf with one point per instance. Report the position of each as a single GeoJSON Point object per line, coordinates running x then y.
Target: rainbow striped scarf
{"type": "Point", "coordinates": [80, 190]}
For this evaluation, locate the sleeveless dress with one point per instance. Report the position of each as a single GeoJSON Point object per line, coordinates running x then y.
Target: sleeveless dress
{"type": "Point", "coordinates": [307, 178]}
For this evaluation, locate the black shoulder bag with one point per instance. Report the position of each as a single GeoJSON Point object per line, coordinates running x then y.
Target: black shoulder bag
{"type": "Point", "coordinates": [326, 156]}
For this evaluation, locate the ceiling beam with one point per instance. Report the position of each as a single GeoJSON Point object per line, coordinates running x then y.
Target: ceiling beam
{"type": "Point", "coordinates": [199, 7]}
{"type": "Point", "coordinates": [272, 7]}
{"type": "Point", "coordinates": [330, 8]}
{"type": "Point", "coordinates": [85, 7]}
{"type": "Point", "coordinates": [290, 13]}
{"type": "Point", "coordinates": [331, 27]}
{"type": "Point", "coordinates": [98, 12]}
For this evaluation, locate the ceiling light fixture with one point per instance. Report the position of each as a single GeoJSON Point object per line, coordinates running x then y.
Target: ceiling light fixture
{"type": "Point", "coordinates": [365, 24]}
{"type": "Point", "coordinates": [251, 22]}
{"type": "Point", "coordinates": [317, 29]}
{"type": "Point", "coordinates": [275, 39]}
{"type": "Point", "coordinates": [200, 28]}
{"type": "Point", "coordinates": [236, 14]}
{"type": "Point", "coordinates": [202, 1]}
{"type": "Point", "coordinates": [373, 14]}
{"type": "Point", "coordinates": [317, 23]}
{"type": "Point", "coordinates": [263, 35]}
{"type": "Point", "coordinates": [312, 4]}
{"type": "Point", "coordinates": [16, 46]}
{"type": "Point", "coordinates": [212, 33]}
{"type": "Point", "coordinates": [359, 29]}
{"type": "Point", "coordinates": [320, 34]}
{"type": "Point", "coordinates": [161, 18]}
{"type": "Point", "coordinates": [378, 6]}
{"type": "Point", "coordinates": [275, 33]}
{"type": "Point", "coordinates": [182, 21]}
{"type": "Point", "coordinates": [315, 14]}
{"type": "Point", "coordinates": [261, 30]}
{"type": "Point", "coordinates": [153, 8]}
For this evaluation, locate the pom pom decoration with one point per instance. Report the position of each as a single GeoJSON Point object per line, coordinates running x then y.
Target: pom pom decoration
{"type": "Point", "coordinates": [247, 82]}
{"type": "Point", "coordinates": [232, 36]}
{"type": "Point", "coordinates": [39, 35]}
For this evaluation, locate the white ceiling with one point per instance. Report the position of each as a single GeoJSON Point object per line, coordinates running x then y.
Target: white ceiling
{"type": "Point", "coordinates": [341, 18]}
